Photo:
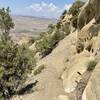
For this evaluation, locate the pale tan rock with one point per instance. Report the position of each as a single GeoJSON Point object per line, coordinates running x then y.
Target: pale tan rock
{"type": "Point", "coordinates": [63, 97]}
{"type": "Point", "coordinates": [94, 45]}
{"type": "Point", "coordinates": [87, 33]}
{"type": "Point", "coordinates": [77, 64]}
{"type": "Point", "coordinates": [92, 91]}
{"type": "Point", "coordinates": [32, 47]}
{"type": "Point", "coordinates": [66, 19]}
{"type": "Point", "coordinates": [24, 40]}
{"type": "Point", "coordinates": [91, 9]}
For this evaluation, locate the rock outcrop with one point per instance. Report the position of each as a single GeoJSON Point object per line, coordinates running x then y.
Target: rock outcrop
{"type": "Point", "coordinates": [92, 91]}
{"type": "Point", "coordinates": [77, 64]}
{"type": "Point", "coordinates": [86, 34]}
{"type": "Point", "coordinates": [90, 10]}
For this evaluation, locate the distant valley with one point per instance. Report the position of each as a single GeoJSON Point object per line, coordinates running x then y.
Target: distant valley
{"type": "Point", "coordinates": [29, 26]}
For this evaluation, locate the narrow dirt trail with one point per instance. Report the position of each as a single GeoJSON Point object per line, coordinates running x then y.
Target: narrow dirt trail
{"type": "Point", "coordinates": [50, 85]}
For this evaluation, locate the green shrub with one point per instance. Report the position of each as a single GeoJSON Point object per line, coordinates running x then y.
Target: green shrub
{"type": "Point", "coordinates": [66, 28]}
{"type": "Point", "coordinates": [15, 64]}
{"type": "Point", "coordinates": [39, 70]}
{"type": "Point", "coordinates": [16, 61]}
{"type": "Point", "coordinates": [48, 43]}
{"type": "Point", "coordinates": [58, 25]}
{"type": "Point", "coordinates": [91, 65]}
{"type": "Point", "coordinates": [6, 23]}
{"type": "Point", "coordinates": [74, 10]}
{"type": "Point", "coordinates": [63, 14]}
{"type": "Point", "coordinates": [51, 27]}
{"type": "Point", "coordinates": [49, 40]}
{"type": "Point", "coordinates": [32, 40]}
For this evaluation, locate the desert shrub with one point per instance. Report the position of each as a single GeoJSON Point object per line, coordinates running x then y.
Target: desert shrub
{"type": "Point", "coordinates": [15, 64]}
{"type": "Point", "coordinates": [6, 23]}
{"type": "Point", "coordinates": [58, 25]}
{"type": "Point", "coordinates": [39, 69]}
{"type": "Point", "coordinates": [74, 10]}
{"type": "Point", "coordinates": [66, 28]}
{"type": "Point", "coordinates": [51, 27]}
{"type": "Point", "coordinates": [48, 42]}
{"type": "Point", "coordinates": [63, 14]}
{"type": "Point", "coordinates": [91, 65]}
{"type": "Point", "coordinates": [32, 40]}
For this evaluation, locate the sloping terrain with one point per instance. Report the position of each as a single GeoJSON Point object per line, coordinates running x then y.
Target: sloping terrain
{"type": "Point", "coordinates": [65, 75]}
{"type": "Point", "coordinates": [50, 84]}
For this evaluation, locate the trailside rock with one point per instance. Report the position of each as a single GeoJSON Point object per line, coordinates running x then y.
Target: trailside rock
{"type": "Point", "coordinates": [86, 33]}
{"type": "Point", "coordinates": [78, 64]}
{"type": "Point", "coordinates": [92, 91]}
{"type": "Point", "coordinates": [63, 97]}
{"type": "Point", "coordinates": [90, 10]}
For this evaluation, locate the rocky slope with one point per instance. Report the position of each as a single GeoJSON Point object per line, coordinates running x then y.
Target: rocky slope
{"type": "Point", "coordinates": [50, 83]}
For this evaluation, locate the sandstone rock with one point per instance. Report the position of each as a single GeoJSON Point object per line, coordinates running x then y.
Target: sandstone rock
{"type": "Point", "coordinates": [90, 10]}
{"type": "Point", "coordinates": [66, 19]}
{"type": "Point", "coordinates": [87, 33]}
{"type": "Point", "coordinates": [32, 47]}
{"type": "Point", "coordinates": [63, 97]}
{"type": "Point", "coordinates": [24, 40]}
{"type": "Point", "coordinates": [92, 91]}
{"type": "Point", "coordinates": [78, 64]}
{"type": "Point", "coordinates": [93, 46]}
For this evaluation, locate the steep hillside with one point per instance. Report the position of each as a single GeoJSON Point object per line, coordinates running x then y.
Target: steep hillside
{"type": "Point", "coordinates": [71, 68]}
{"type": "Point", "coordinates": [50, 84]}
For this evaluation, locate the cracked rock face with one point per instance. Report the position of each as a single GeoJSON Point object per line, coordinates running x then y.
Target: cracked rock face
{"type": "Point", "coordinates": [90, 10]}
{"type": "Point", "coordinates": [70, 76]}
{"type": "Point", "coordinates": [92, 91]}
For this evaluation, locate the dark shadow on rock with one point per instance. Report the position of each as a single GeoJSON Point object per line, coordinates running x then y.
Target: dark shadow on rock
{"type": "Point", "coordinates": [27, 88]}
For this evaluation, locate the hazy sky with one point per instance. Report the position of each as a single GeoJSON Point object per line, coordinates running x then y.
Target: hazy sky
{"type": "Point", "coordinates": [45, 8]}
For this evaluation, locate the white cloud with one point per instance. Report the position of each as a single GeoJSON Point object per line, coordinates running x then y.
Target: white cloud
{"type": "Point", "coordinates": [44, 7]}
{"type": "Point", "coordinates": [48, 9]}
{"type": "Point", "coordinates": [67, 6]}
{"type": "Point", "coordinates": [36, 7]}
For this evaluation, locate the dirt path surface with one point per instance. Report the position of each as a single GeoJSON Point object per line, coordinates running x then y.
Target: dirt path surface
{"type": "Point", "coordinates": [50, 85]}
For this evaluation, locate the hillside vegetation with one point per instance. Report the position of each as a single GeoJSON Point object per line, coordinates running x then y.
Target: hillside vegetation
{"type": "Point", "coordinates": [64, 60]}
{"type": "Point", "coordinates": [16, 62]}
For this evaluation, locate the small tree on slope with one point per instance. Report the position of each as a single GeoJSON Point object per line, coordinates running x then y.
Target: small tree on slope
{"type": "Point", "coordinates": [16, 62]}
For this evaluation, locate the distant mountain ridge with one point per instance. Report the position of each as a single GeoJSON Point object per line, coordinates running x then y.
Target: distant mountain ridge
{"type": "Point", "coordinates": [39, 17]}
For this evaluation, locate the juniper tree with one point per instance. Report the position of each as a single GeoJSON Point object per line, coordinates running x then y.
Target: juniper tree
{"type": "Point", "coordinates": [6, 23]}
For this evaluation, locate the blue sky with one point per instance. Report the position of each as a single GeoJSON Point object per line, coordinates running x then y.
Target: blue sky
{"type": "Point", "coordinates": [40, 8]}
